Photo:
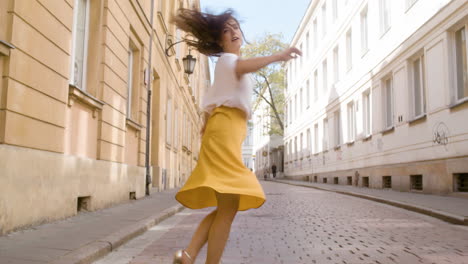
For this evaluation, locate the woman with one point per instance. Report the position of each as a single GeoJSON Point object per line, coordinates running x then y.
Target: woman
{"type": "Point", "coordinates": [220, 178]}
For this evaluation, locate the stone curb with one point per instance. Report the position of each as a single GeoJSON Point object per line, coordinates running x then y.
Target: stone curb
{"type": "Point", "coordinates": [101, 247]}
{"type": "Point", "coordinates": [448, 217]}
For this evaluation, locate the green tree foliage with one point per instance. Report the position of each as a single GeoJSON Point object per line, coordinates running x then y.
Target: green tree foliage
{"type": "Point", "coordinates": [269, 81]}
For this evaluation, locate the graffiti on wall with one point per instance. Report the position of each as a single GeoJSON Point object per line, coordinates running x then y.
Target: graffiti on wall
{"type": "Point", "coordinates": [440, 134]}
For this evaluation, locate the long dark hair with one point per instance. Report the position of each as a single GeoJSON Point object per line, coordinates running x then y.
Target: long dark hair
{"type": "Point", "coordinates": [207, 29]}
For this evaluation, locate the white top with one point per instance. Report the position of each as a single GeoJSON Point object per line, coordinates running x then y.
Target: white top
{"type": "Point", "coordinates": [227, 89]}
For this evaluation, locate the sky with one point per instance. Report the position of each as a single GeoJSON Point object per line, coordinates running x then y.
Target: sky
{"type": "Point", "coordinates": [258, 17]}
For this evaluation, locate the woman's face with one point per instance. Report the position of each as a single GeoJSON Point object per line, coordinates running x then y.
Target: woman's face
{"type": "Point", "coordinates": [231, 38]}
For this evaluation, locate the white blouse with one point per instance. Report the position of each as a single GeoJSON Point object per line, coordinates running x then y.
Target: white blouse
{"type": "Point", "coordinates": [227, 89]}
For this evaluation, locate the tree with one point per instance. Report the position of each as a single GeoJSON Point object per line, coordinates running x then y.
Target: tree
{"type": "Point", "coordinates": [269, 81]}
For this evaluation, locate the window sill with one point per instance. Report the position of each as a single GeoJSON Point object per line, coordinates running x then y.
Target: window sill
{"type": "Point", "coordinates": [417, 118]}
{"type": "Point", "coordinates": [388, 130]}
{"type": "Point", "coordinates": [76, 94]}
{"type": "Point", "coordinates": [459, 103]}
{"type": "Point", "coordinates": [5, 48]}
{"type": "Point", "coordinates": [367, 138]}
{"type": "Point", "coordinates": [337, 147]}
{"type": "Point", "coordinates": [184, 148]}
{"type": "Point", "coordinates": [133, 124]}
{"type": "Point", "coordinates": [350, 143]}
{"type": "Point", "coordinates": [325, 151]}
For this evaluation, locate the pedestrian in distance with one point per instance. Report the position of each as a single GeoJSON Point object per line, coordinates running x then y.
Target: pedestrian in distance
{"type": "Point", "coordinates": [273, 170]}
{"type": "Point", "coordinates": [220, 178]}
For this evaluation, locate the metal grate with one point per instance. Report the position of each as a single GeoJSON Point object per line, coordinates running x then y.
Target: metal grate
{"type": "Point", "coordinates": [324, 180]}
{"type": "Point", "coordinates": [132, 196]}
{"type": "Point", "coordinates": [461, 182]}
{"type": "Point", "coordinates": [416, 182]}
{"type": "Point", "coordinates": [365, 181]}
{"type": "Point", "coordinates": [387, 182]}
{"type": "Point", "coordinates": [315, 178]}
{"type": "Point", "coordinates": [349, 180]}
{"type": "Point", "coordinates": [335, 180]}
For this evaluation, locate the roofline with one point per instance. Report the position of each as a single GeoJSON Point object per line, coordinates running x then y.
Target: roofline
{"type": "Point", "coordinates": [312, 5]}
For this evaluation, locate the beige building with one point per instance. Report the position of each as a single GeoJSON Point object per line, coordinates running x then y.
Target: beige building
{"type": "Point", "coordinates": [379, 98]}
{"type": "Point", "coordinates": [73, 105]}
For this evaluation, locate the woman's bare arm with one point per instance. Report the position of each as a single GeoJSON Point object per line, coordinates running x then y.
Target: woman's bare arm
{"type": "Point", "coordinates": [255, 64]}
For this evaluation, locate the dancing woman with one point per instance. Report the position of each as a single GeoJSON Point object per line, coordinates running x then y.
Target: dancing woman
{"type": "Point", "coordinates": [220, 178]}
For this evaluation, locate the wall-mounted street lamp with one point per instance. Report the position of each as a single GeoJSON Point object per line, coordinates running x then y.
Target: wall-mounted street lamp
{"type": "Point", "coordinates": [188, 61]}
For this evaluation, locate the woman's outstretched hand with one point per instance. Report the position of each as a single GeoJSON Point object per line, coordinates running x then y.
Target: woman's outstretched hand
{"type": "Point", "coordinates": [289, 53]}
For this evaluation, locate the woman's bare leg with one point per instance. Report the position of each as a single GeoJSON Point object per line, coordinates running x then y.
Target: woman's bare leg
{"type": "Point", "coordinates": [200, 237]}
{"type": "Point", "coordinates": [228, 205]}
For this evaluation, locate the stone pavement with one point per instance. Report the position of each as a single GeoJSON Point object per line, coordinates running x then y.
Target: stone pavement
{"type": "Point", "coordinates": [300, 225]}
{"type": "Point", "coordinates": [87, 236]}
{"type": "Point", "coordinates": [447, 208]}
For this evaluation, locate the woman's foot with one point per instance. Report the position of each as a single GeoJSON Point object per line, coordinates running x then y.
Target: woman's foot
{"type": "Point", "coordinates": [182, 257]}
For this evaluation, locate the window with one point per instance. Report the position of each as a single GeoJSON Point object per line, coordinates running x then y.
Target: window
{"type": "Point", "coordinates": [349, 50]}
{"type": "Point", "coordinates": [336, 66]}
{"type": "Point", "coordinates": [461, 64]}
{"type": "Point", "coordinates": [337, 118]}
{"type": "Point", "coordinates": [325, 76]}
{"type": "Point", "coordinates": [301, 146]}
{"type": "Point", "coordinates": [364, 31]}
{"type": "Point", "coordinates": [316, 139]}
{"type": "Point", "coordinates": [335, 9]}
{"type": "Point", "coordinates": [290, 111]}
{"type": "Point", "coordinates": [419, 105]}
{"type": "Point", "coordinates": [384, 16]}
{"type": "Point", "coordinates": [325, 134]}
{"type": "Point", "coordinates": [309, 147]}
{"type": "Point", "coordinates": [133, 82]}
{"type": "Point", "coordinates": [295, 107]}
{"type": "Point", "coordinates": [130, 83]}
{"type": "Point", "coordinates": [388, 102]}
{"type": "Point", "coordinates": [315, 85]}
{"type": "Point", "coordinates": [366, 112]}
{"type": "Point", "coordinates": [351, 122]}
{"type": "Point", "coordinates": [324, 20]}
{"type": "Point", "coordinates": [176, 127]}
{"type": "Point", "coordinates": [300, 57]}
{"type": "Point", "coordinates": [169, 121]}
{"type": "Point", "coordinates": [290, 150]}
{"type": "Point", "coordinates": [307, 47]}
{"type": "Point", "coordinates": [301, 96]}
{"type": "Point", "coordinates": [315, 28]}
{"type": "Point", "coordinates": [80, 44]}
{"type": "Point", "coordinates": [308, 94]}
{"type": "Point", "coordinates": [287, 151]}
{"type": "Point", "coordinates": [295, 147]}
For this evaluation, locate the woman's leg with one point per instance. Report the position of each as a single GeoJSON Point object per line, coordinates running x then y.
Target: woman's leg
{"type": "Point", "coordinates": [228, 205]}
{"type": "Point", "coordinates": [200, 237]}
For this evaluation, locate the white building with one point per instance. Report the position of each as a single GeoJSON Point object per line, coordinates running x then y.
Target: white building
{"type": "Point", "coordinates": [247, 147]}
{"type": "Point", "coordinates": [380, 97]}
{"type": "Point", "coordinates": [268, 148]}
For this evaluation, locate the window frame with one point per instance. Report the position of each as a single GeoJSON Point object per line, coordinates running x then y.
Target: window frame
{"type": "Point", "coordinates": [386, 101]}
{"type": "Point", "coordinates": [74, 46]}
{"type": "Point", "coordinates": [422, 79]}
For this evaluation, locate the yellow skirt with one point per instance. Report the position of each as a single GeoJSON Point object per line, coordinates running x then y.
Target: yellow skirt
{"type": "Point", "coordinates": [220, 167]}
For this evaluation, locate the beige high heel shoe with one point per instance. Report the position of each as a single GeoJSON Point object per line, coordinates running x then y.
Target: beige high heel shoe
{"type": "Point", "coordinates": [178, 256]}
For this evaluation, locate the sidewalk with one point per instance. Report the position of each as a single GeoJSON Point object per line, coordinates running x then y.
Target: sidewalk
{"type": "Point", "coordinates": [88, 236]}
{"type": "Point", "coordinates": [447, 208]}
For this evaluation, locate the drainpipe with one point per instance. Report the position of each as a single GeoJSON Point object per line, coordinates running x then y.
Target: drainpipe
{"type": "Point", "coordinates": [148, 105]}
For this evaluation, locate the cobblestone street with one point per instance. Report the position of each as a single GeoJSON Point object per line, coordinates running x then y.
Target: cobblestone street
{"type": "Point", "coordinates": [303, 225]}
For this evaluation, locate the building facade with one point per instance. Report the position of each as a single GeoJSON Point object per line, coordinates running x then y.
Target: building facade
{"type": "Point", "coordinates": [247, 147]}
{"type": "Point", "coordinates": [73, 105]}
{"type": "Point", "coordinates": [379, 98]}
{"type": "Point", "coordinates": [268, 148]}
